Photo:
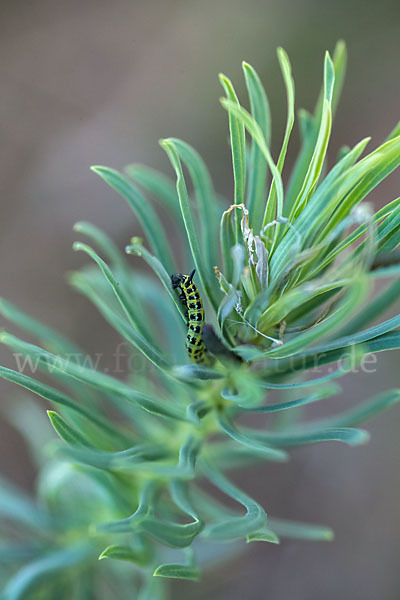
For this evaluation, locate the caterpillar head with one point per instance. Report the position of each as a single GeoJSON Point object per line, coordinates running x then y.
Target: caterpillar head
{"type": "Point", "coordinates": [178, 278]}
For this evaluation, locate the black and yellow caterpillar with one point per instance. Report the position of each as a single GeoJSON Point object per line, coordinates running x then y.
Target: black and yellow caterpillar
{"type": "Point", "coordinates": [190, 298]}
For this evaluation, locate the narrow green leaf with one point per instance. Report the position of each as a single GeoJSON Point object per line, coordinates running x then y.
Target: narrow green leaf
{"type": "Point", "coordinates": [289, 84]}
{"type": "Point", "coordinates": [357, 338]}
{"type": "Point", "coordinates": [389, 217]}
{"type": "Point", "coordinates": [131, 459]}
{"type": "Point", "coordinates": [388, 229]}
{"type": "Point", "coordinates": [125, 553]}
{"type": "Point", "coordinates": [301, 531]}
{"type": "Point", "coordinates": [144, 345]}
{"type": "Point", "coordinates": [235, 527]}
{"type": "Point", "coordinates": [174, 535]}
{"type": "Point", "coordinates": [197, 410]}
{"type": "Point", "coordinates": [263, 535]}
{"type": "Point", "coordinates": [256, 180]}
{"type": "Point", "coordinates": [228, 239]}
{"type": "Point", "coordinates": [308, 127]}
{"type": "Point", "coordinates": [204, 270]}
{"type": "Point", "coordinates": [311, 129]}
{"type": "Point", "coordinates": [179, 490]}
{"type": "Point", "coordinates": [284, 64]}
{"type": "Point", "coordinates": [176, 571]}
{"type": "Point", "coordinates": [339, 60]}
{"type": "Point", "coordinates": [208, 209]}
{"type": "Point", "coordinates": [394, 133]}
{"type": "Point", "coordinates": [324, 393]}
{"type": "Point", "coordinates": [273, 385]}
{"type": "Point", "coordinates": [321, 145]}
{"type": "Point", "coordinates": [340, 64]}
{"type": "Point", "coordinates": [188, 454]}
{"type": "Point", "coordinates": [65, 431]}
{"type": "Point", "coordinates": [238, 143]}
{"type": "Point", "coordinates": [146, 503]}
{"type": "Point", "coordinates": [256, 133]}
{"type": "Point", "coordinates": [309, 434]}
{"type": "Point", "coordinates": [158, 406]}
{"type": "Point", "coordinates": [388, 232]}
{"type": "Point", "coordinates": [248, 440]}
{"type": "Point", "coordinates": [147, 217]}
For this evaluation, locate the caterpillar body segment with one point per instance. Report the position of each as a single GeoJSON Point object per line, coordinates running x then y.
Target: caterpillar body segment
{"type": "Point", "coordinates": [191, 300]}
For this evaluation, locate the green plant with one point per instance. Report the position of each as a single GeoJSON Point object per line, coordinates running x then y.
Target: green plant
{"type": "Point", "coordinates": [284, 292]}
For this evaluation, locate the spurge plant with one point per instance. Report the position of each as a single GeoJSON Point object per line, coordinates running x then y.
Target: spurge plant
{"type": "Point", "coordinates": [268, 288]}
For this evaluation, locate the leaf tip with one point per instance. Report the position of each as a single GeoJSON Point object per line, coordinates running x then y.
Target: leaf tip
{"type": "Point", "coordinates": [96, 168]}
{"type": "Point", "coordinates": [329, 535]}
{"type": "Point", "coordinates": [77, 246]}
{"type": "Point", "coordinates": [340, 48]}
{"type": "Point", "coordinates": [79, 227]}
{"type": "Point", "coordinates": [105, 553]}
{"type": "Point", "coordinates": [362, 437]}
{"type": "Point", "coordinates": [281, 52]}
{"type": "Point", "coordinates": [224, 81]}
{"type": "Point", "coordinates": [4, 336]}
{"type": "Point", "coordinates": [247, 66]}
{"type": "Point", "coordinates": [177, 572]}
{"type": "Point", "coordinates": [165, 142]}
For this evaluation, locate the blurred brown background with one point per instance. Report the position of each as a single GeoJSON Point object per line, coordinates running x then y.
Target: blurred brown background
{"type": "Point", "coordinates": [86, 82]}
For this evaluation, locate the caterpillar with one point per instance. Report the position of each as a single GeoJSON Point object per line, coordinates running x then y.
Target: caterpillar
{"type": "Point", "coordinates": [190, 298]}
